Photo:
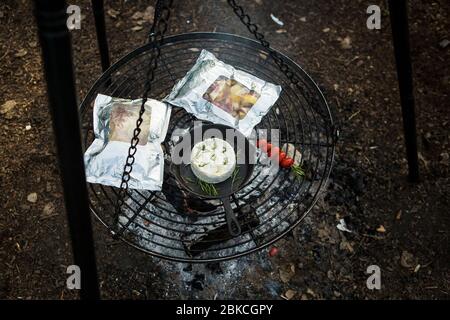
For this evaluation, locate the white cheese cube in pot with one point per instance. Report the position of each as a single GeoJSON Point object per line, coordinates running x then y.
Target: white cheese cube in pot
{"type": "Point", "coordinates": [213, 160]}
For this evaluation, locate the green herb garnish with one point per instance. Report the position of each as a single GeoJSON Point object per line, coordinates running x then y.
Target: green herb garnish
{"type": "Point", "coordinates": [234, 175]}
{"type": "Point", "coordinates": [188, 179]}
{"type": "Point", "coordinates": [298, 171]}
{"type": "Point", "coordinates": [207, 188]}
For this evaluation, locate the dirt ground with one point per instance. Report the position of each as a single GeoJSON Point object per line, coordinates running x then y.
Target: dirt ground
{"type": "Point", "coordinates": [401, 227]}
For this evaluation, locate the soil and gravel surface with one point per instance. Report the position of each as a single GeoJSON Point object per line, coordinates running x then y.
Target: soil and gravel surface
{"type": "Point", "coordinates": [401, 227]}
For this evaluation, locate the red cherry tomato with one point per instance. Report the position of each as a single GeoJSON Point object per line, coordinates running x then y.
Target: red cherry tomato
{"type": "Point", "coordinates": [274, 152]}
{"type": "Point", "coordinates": [262, 144]}
{"type": "Point", "coordinates": [281, 156]}
{"type": "Point", "coordinates": [273, 251]}
{"type": "Point", "coordinates": [287, 162]}
{"type": "Point", "coordinates": [257, 143]}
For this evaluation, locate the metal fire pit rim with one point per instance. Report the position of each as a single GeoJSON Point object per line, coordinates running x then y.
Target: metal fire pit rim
{"type": "Point", "coordinates": [186, 37]}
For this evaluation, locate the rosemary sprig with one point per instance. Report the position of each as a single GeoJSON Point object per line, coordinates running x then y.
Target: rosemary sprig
{"type": "Point", "coordinates": [234, 175]}
{"type": "Point", "coordinates": [188, 179]}
{"type": "Point", "coordinates": [298, 171]}
{"type": "Point", "coordinates": [207, 188]}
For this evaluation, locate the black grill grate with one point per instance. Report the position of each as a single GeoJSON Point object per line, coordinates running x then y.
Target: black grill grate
{"type": "Point", "coordinates": [159, 223]}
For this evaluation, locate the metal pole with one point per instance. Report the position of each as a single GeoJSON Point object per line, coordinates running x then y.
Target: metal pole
{"type": "Point", "coordinates": [400, 35]}
{"type": "Point", "coordinates": [99, 17]}
{"type": "Point", "coordinates": [57, 60]}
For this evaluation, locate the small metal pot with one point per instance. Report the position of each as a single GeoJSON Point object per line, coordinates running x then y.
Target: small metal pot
{"type": "Point", "coordinates": [184, 175]}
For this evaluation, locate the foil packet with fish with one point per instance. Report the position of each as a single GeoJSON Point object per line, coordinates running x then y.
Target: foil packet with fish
{"type": "Point", "coordinates": [215, 91]}
{"type": "Point", "coordinates": [114, 123]}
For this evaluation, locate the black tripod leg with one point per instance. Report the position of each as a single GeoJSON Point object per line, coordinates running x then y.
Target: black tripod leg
{"type": "Point", "coordinates": [400, 36]}
{"type": "Point", "coordinates": [99, 17]}
{"type": "Point", "coordinates": [57, 59]}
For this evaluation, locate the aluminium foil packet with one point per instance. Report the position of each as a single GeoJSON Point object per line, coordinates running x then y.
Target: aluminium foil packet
{"type": "Point", "coordinates": [114, 122]}
{"type": "Point", "coordinates": [215, 91]}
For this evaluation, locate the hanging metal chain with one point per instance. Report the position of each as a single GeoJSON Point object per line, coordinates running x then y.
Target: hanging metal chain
{"type": "Point", "coordinates": [279, 60]}
{"type": "Point", "coordinates": [253, 28]}
{"type": "Point", "coordinates": [156, 37]}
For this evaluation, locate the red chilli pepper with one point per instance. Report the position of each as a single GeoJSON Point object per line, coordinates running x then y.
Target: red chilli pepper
{"type": "Point", "coordinates": [269, 147]}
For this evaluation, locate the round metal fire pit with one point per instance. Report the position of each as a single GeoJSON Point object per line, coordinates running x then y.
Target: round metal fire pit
{"type": "Point", "coordinates": [174, 225]}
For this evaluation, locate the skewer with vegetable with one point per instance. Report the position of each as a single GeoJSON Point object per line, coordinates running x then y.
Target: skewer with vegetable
{"type": "Point", "coordinates": [286, 157]}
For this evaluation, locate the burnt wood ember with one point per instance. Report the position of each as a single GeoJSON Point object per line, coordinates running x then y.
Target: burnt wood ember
{"type": "Point", "coordinates": [198, 282]}
{"type": "Point", "coordinates": [181, 201]}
